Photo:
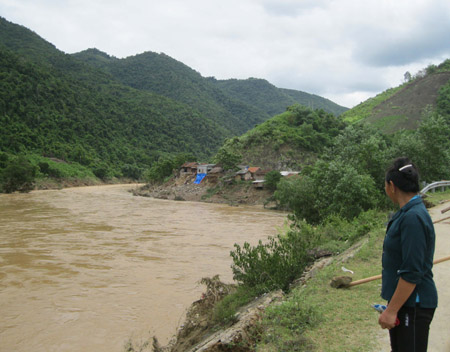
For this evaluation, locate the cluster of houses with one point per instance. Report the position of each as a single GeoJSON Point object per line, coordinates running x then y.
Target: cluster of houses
{"type": "Point", "coordinates": [213, 172]}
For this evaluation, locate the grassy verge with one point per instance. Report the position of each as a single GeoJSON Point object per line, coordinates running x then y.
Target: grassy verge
{"type": "Point", "coordinates": [334, 319]}
{"type": "Point", "coordinates": [317, 317]}
{"type": "Point", "coordinates": [438, 196]}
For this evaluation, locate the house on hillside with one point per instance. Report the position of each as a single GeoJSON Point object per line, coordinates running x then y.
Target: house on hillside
{"type": "Point", "coordinates": [189, 168]}
{"type": "Point", "coordinates": [258, 184]}
{"type": "Point", "coordinates": [289, 173]}
{"type": "Point", "coordinates": [249, 173]}
{"type": "Point", "coordinates": [215, 173]}
{"type": "Point", "coordinates": [205, 168]}
{"type": "Point", "coordinates": [253, 170]}
{"type": "Point", "coordinates": [243, 175]}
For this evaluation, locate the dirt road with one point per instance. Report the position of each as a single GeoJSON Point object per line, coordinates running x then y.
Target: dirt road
{"type": "Point", "coordinates": [439, 340]}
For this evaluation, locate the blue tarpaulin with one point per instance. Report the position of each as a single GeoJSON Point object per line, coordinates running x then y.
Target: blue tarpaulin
{"type": "Point", "coordinates": [199, 178]}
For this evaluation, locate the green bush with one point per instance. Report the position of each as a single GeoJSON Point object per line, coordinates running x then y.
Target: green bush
{"type": "Point", "coordinates": [276, 263]}
{"type": "Point", "coordinates": [19, 175]}
{"type": "Point", "coordinates": [271, 180]}
{"type": "Point", "coordinates": [328, 188]}
{"type": "Point", "coordinates": [428, 147]}
{"type": "Point", "coordinates": [227, 158]}
{"type": "Point", "coordinates": [165, 166]}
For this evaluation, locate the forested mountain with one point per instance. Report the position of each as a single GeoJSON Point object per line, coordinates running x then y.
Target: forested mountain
{"type": "Point", "coordinates": [237, 104]}
{"type": "Point", "coordinates": [115, 115]}
{"type": "Point", "coordinates": [160, 74]}
{"type": "Point", "coordinates": [403, 107]}
{"type": "Point", "coordinates": [272, 99]}
{"type": "Point", "coordinates": [52, 104]}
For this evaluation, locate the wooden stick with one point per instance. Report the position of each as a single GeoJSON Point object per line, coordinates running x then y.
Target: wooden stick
{"type": "Point", "coordinates": [377, 277]}
{"type": "Point", "coordinates": [445, 210]}
{"type": "Point", "coordinates": [437, 261]}
{"type": "Point", "coordinates": [363, 281]}
{"type": "Point", "coordinates": [435, 222]}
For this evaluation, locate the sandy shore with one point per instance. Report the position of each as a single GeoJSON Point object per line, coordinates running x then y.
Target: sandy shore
{"type": "Point", "coordinates": [439, 340]}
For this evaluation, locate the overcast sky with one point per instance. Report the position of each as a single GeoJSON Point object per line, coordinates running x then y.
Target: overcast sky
{"type": "Point", "coordinates": [344, 50]}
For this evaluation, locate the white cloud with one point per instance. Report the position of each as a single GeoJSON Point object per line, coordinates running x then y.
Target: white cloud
{"type": "Point", "coordinates": [345, 50]}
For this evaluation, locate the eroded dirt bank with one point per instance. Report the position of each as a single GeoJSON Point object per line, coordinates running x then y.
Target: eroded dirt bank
{"type": "Point", "coordinates": [209, 191]}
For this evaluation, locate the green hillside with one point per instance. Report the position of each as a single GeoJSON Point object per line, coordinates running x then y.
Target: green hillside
{"type": "Point", "coordinates": [272, 99]}
{"type": "Point", "coordinates": [402, 107]}
{"type": "Point", "coordinates": [54, 105]}
{"type": "Point", "coordinates": [160, 74]}
{"type": "Point", "coordinates": [287, 141]}
{"type": "Point", "coordinates": [237, 104]}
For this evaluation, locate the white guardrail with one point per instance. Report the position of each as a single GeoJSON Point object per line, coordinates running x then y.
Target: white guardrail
{"type": "Point", "coordinates": [434, 185]}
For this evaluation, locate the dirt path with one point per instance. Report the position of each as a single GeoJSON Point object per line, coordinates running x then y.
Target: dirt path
{"type": "Point", "coordinates": [439, 340]}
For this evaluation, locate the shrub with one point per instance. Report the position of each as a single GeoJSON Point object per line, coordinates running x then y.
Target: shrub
{"type": "Point", "coordinates": [164, 167]}
{"type": "Point", "coordinates": [271, 180]}
{"type": "Point", "coordinates": [428, 147]}
{"type": "Point", "coordinates": [328, 188]}
{"type": "Point", "coordinates": [275, 264]}
{"type": "Point", "coordinates": [19, 175]}
{"type": "Point", "coordinates": [227, 158]}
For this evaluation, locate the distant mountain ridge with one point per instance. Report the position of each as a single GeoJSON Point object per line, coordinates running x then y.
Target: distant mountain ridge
{"type": "Point", "coordinates": [272, 99]}
{"type": "Point", "coordinates": [242, 103]}
{"type": "Point", "coordinates": [120, 114]}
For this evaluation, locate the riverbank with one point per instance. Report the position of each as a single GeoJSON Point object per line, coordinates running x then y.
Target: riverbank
{"type": "Point", "coordinates": [208, 191]}
{"type": "Point", "coordinates": [54, 183]}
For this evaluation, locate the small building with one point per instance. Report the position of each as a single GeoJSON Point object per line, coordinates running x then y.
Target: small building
{"type": "Point", "coordinates": [243, 175]}
{"type": "Point", "coordinates": [253, 170]}
{"type": "Point", "coordinates": [250, 173]}
{"type": "Point", "coordinates": [188, 168]}
{"type": "Point", "coordinates": [259, 184]}
{"type": "Point", "coordinates": [289, 173]}
{"type": "Point", "coordinates": [260, 174]}
{"type": "Point", "coordinates": [205, 168]}
{"type": "Point", "coordinates": [215, 173]}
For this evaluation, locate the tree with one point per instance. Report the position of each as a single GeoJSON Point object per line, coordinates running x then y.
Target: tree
{"type": "Point", "coordinates": [271, 180]}
{"type": "Point", "coordinates": [428, 147]}
{"type": "Point", "coordinates": [407, 76]}
{"type": "Point", "coordinates": [228, 159]}
{"type": "Point", "coordinates": [18, 175]}
{"type": "Point", "coordinates": [329, 188]}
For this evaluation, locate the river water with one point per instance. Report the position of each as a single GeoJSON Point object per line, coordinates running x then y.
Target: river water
{"type": "Point", "coordinates": [86, 269]}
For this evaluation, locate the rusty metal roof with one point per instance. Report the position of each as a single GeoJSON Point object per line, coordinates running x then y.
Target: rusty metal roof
{"type": "Point", "coordinates": [190, 164]}
{"type": "Point", "coordinates": [253, 169]}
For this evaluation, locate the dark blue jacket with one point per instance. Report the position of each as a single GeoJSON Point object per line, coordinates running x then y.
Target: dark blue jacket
{"type": "Point", "coordinates": [408, 251]}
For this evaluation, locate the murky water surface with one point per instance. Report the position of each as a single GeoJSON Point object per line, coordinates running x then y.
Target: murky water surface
{"type": "Point", "coordinates": [85, 269]}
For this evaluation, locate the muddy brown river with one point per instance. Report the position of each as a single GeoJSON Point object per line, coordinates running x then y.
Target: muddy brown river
{"type": "Point", "coordinates": [85, 269]}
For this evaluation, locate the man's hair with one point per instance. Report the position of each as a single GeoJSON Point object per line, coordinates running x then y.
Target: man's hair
{"type": "Point", "coordinates": [404, 174]}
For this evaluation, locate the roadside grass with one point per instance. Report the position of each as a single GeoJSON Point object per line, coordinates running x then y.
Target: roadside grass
{"type": "Point", "coordinates": [438, 196]}
{"type": "Point", "coordinates": [317, 317]}
{"type": "Point", "coordinates": [331, 320]}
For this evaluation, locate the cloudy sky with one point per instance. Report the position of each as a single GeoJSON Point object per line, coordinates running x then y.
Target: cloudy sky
{"type": "Point", "coordinates": [344, 50]}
